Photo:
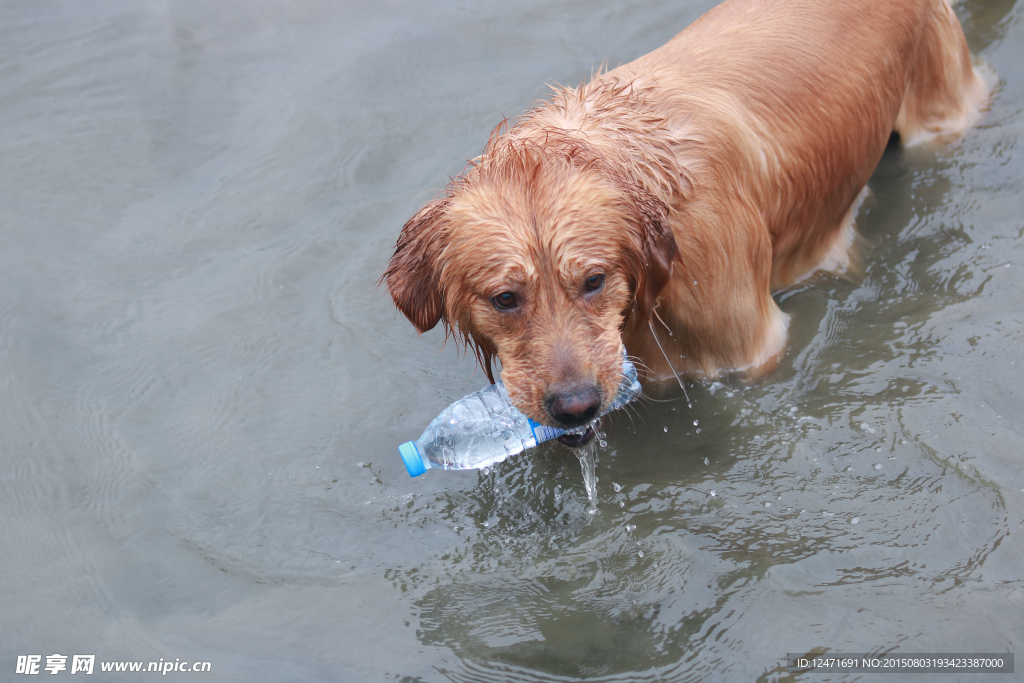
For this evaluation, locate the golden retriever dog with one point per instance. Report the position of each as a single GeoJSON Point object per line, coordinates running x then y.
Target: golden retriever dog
{"type": "Point", "coordinates": [658, 206]}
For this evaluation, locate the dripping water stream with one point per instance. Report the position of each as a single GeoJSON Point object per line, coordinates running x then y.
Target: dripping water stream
{"type": "Point", "coordinates": [587, 454]}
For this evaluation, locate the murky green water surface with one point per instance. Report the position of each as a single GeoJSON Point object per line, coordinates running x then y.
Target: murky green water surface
{"type": "Point", "coordinates": [201, 388]}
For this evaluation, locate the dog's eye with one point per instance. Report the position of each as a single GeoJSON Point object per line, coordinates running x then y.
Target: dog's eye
{"type": "Point", "coordinates": [594, 283]}
{"type": "Point", "coordinates": [505, 301]}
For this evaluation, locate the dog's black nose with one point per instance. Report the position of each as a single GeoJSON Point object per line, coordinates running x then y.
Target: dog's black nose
{"type": "Point", "coordinates": [575, 406]}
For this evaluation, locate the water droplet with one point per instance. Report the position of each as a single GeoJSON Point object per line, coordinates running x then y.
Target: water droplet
{"type": "Point", "coordinates": [706, 462]}
{"type": "Point", "coordinates": [849, 468]}
{"type": "Point", "coordinates": [877, 466]}
{"type": "Point", "coordinates": [767, 504]}
{"type": "Point", "coordinates": [713, 494]}
{"type": "Point", "coordinates": [695, 282]}
{"type": "Point", "coordinates": [631, 528]}
{"type": "Point", "coordinates": [698, 430]}
{"type": "Point", "coordinates": [617, 487]}
{"type": "Point", "coordinates": [855, 520]}
{"type": "Point", "coordinates": [640, 553]}
{"type": "Point", "coordinates": [696, 422]}
{"type": "Point", "coordinates": [622, 503]}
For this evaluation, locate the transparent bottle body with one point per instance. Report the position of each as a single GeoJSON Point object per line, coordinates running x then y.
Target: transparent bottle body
{"type": "Point", "coordinates": [484, 428]}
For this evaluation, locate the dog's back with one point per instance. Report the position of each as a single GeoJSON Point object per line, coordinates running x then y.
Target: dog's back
{"type": "Point", "coordinates": [782, 110]}
{"type": "Point", "coordinates": [810, 91]}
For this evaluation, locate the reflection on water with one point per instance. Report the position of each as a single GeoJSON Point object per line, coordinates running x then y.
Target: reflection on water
{"type": "Point", "coordinates": [202, 390]}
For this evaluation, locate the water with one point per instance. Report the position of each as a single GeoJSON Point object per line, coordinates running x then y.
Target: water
{"type": "Point", "coordinates": [587, 455]}
{"type": "Point", "coordinates": [197, 375]}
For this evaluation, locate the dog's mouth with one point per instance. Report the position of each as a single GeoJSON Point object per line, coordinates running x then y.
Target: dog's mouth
{"type": "Point", "coordinates": [577, 439]}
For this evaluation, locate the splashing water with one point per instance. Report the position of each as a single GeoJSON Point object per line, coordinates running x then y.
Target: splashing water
{"type": "Point", "coordinates": [587, 454]}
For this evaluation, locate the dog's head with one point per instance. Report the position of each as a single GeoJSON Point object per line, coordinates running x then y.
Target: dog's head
{"type": "Point", "coordinates": [538, 254]}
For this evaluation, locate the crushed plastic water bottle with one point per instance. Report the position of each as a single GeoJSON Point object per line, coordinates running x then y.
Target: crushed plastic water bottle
{"type": "Point", "coordinates": [484, 428]}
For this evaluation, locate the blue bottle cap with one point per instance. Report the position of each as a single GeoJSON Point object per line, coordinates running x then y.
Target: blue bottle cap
{"type": "Point", "coordinates": [412, 458]}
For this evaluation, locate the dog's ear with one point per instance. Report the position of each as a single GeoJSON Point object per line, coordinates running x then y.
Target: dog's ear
{"type": "Point", "coordinates": [413, 273]}
{"type": "Point", "coordinates": [658, 248]}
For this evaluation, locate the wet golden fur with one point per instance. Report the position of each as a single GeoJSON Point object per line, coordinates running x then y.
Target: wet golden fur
{"type": "Point", "coordinates": [696, 180]}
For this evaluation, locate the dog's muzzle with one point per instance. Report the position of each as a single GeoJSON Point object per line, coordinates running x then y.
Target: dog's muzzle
{"type": "Point", "coordinates": [574, 407]}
